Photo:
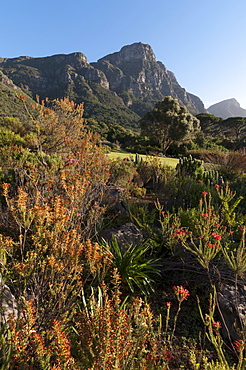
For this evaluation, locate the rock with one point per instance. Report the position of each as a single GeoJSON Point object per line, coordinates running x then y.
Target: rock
{"type": "Point", "coordinates": [232, 307]}
{"type": "Point", "coordinates": [113, 199]}
{"type": "Point", "coordinates": [134, 70]}
{"type": "Point", "coordinates": [8, 303]}
{"type": "Point", "coordinates": [125, 235]}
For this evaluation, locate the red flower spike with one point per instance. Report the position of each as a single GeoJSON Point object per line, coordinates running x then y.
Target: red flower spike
{"type": "Point", "coordinates": [239, 345]}
{"type": "Point", "coordinates": [216, 325]}
{"type": "Point", "coordinates": [181, 293]}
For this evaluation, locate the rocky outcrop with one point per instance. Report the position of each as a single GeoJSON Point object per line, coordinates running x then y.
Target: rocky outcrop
{"type": "Point", "coordinates": [45, 75]}
{"type": "Point", "coordinates": [7, 81]}
{"type": "Point", "coordinates": [134, 70]}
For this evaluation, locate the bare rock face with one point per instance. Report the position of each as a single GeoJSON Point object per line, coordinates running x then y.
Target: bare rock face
{"type": "Point", "coordinates": [134, 70]}
{"type": "Point", "coordinates": [49, 74]}
{"type": "Point", "coordinates": [129, 53]}
{"type": "Point", "coordinates": [5, 80]}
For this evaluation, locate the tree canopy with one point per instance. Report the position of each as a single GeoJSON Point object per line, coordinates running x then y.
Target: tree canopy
{"type": "Point", "coordinates": [169, 123]}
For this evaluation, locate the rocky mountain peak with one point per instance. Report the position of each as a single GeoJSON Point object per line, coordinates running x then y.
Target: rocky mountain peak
{"type": "Point", "coordinates": [124, 84]}
{"type": "Point", "coordinates": [136, 51]}
{"type": "Point", "coordinates": [227, 108]}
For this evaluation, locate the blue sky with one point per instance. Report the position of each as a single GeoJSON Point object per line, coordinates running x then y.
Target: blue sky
{"type": "Point", "coordinates": [202, 42]}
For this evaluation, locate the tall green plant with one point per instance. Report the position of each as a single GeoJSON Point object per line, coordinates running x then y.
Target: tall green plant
{"type": "Point", "coordinates": [135, 268]}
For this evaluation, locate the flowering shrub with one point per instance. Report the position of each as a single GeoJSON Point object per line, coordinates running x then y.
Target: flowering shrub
{"type": "Point", "coordinates": [71, 310]}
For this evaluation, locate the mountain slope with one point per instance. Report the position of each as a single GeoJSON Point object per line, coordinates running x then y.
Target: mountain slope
{"type": "Point", "coordinates": [10, 105]}
{"type": "Point", "coordinates": [227, 108]}
{"type": "Point", "coordinates": [119, 88]}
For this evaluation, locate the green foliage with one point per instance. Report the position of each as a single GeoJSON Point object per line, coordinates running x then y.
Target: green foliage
{"type": "Point", "coordinates": [14, 124]}
{"type": "Point", "coordinates": [121, 171]}
{"type": "Point", "coordinates": [144, 219]}
{"type": "Point", "coordinates": [189, 166]}
{"type": "Point", "coordinates": [134, 268]}
{"type": "Point", "coordinates": [168, 123]}
{"type": "Point", "coordinates": [8, 138]}
{"type": "Point", "coordinates": [213, 334]}
{"type": "Point", "coordinates": [235, 127]}
{"type": "Point", "coordinates": [208, 121]}
{"type": "Point", "coordinates": [211, 177]}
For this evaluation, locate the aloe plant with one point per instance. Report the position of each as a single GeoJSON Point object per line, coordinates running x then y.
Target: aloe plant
{"type": "Point", "coordinates": [134, 268]}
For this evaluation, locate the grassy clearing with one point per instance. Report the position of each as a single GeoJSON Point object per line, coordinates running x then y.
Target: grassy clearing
{"type": "Point", "coordinates": [172, 162]}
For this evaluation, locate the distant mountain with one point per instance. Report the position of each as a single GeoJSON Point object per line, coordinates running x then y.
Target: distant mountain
{"type": "Point", "coordinates": [118, 88]}
{"type": "Point", "coordinates": [227, 108]}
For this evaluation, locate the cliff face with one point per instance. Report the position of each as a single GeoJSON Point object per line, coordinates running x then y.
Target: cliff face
{"type": "Point", "coordinates": [45, 75]}
{"type": "Point", "coordinates": [126, 83]}
{"type": "Point", "coordinates": [134, 70]}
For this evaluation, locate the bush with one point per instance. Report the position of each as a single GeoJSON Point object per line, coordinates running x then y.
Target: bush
{"type": "Point", "coordinates": [230, 165]}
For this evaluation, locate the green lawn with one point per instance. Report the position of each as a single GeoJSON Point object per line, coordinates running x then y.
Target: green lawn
{"type": "Point", "coordinates": [172, 162]}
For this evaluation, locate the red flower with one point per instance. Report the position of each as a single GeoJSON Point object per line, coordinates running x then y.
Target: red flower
{"type": "Point", "coordinates": [216, 325]}
{"type": "Point", "coordinates": [204, 193]}
{"type": "Point", "coordinates": [216, 236]}
{"type": "Point", "coordinates": [168, 304]}
{"type": "Point", "coordinates": [204, 215]}
{"type": "Point", "coordinates": [181, 293]}
{"type": "Point", "coordinates": [179, 232]}
{"type": "Point", "coordinates": [168, 356]}
{"type": "Point", "coordinates": [239, 345]}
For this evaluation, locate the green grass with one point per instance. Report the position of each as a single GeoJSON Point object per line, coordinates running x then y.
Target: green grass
{"type": "Point", "coordinates": [114, 154]}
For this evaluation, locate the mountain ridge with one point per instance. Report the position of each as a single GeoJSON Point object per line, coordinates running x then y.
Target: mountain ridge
{"type": "Point", "coordinates": [227, 108]}
{"type": "Point", "coordinates": [119, 88]}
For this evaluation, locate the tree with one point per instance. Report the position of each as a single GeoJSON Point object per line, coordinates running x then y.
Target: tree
{"type": "Point", "coordinates": [209, 122]}
{"type": "Point", "coordinates": [169, 123]}
{"type": "Point", "coordinates": [235, 127]}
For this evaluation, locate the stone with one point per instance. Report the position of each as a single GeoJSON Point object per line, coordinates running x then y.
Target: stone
{"type": "Point", "coordinates": [125, 235]}
{"type": "Point", "coordinates": [232, 307]}
{"type": "Point", "coordinates": [8, 303]}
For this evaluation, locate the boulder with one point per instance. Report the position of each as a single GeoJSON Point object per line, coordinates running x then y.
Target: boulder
{"type": "Point", "coordinates": [125, 235]}
{"type": "Point", "coordinates": [8, 303]}
{"type": "Point", "coordinates": [232, 307]}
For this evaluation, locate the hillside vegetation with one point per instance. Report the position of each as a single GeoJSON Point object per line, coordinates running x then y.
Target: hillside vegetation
{"type": "Point", "coordinates": [75, 299]}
